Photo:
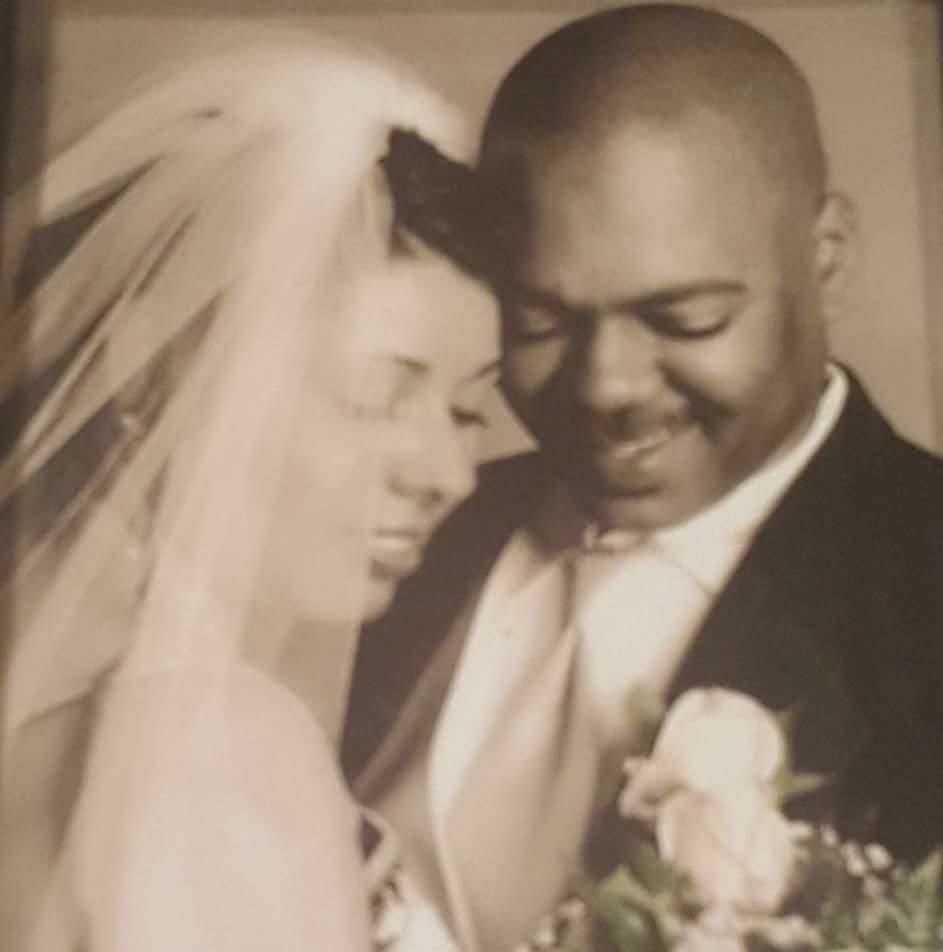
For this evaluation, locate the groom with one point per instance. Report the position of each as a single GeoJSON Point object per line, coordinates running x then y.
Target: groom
{"type": "Point", "coordinates": [714, 501]}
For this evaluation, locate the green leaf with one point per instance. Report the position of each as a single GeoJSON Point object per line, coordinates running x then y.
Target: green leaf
{"type": "Point", "coordinates": [787, 721]}
{"type": "Point", "coordinates": [621, 886]}
{"type": "Point", "coordinates": [838, 922]}
{"type": "Point", "coordinates": [668, 920]}
{"type": "Point", "coordinates": [644, 711]}
{"type": "Point", "coordinates": [648, 867]}
{"type": "Point", "coordinates": [579, 938]}
{"type": "Point", "coordinates": [621, 910]}
{"type": "Point", "coordinates": [789, 785]}
{"type": "Point", "coordinates": [633, 931]}
{"type": "Point", "coordinates": [923, 895]}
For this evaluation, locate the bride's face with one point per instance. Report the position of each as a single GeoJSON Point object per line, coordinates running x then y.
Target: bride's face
{"type": "Point", "coordinates": [425, 362]}
{"type": "Point", "coordinates": [369, 481]}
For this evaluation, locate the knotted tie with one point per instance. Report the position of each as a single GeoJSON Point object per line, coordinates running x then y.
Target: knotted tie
{"type": "Point", "coordinates": [579, 635]}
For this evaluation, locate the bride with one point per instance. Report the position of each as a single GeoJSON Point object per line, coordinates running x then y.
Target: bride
{"type": "Point", "coordinates": [249, 360]}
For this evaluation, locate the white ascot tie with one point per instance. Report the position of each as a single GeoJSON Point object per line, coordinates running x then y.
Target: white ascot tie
{"type": "Point", "coordinates": [577, 636]}
{"type": "Point", "coordinates": [637, 608]}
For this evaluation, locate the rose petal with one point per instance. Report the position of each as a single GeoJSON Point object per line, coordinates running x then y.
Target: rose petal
{"type": "Point", "coordinates": [714, 737]}
{"type": "Point", "coordinates": [737, 849]}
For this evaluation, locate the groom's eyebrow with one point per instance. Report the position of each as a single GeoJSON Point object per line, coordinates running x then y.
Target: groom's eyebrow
{"type": "Point", "coordinates": [660, 298]}
{"type": "Point", "coordinates": [537, 297]}
{"type": "Point", "coordinates": [682, 293]}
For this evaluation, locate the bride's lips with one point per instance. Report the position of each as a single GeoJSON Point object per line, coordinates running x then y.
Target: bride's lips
{"type": "Point", "coordinates": [397, 551]}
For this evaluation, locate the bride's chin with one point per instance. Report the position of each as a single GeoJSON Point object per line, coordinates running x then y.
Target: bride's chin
{"type": "Point", "coordinates": [379, 596]}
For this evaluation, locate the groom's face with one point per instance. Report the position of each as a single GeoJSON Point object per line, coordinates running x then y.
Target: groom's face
{"type": "Point", "coordinates": [661, 321]}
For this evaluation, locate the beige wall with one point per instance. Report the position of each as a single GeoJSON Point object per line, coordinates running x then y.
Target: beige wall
{"type": "Point", "coordinates": [880, 128]}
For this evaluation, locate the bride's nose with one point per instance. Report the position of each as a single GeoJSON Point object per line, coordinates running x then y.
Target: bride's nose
{"type": "Point", "coordinates": [434, 462]}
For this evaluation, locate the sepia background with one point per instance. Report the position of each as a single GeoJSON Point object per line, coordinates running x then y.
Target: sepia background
{"type": "Point", "coordinates": [874, 64]}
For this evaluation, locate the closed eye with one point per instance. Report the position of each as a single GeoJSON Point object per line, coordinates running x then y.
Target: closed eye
{"type": "Point", "coordinates": [385, 386]}
{"type": "Point", "coordinates": [693, 312]}
{"type": "Point", "coordinates": [463, 417]}
{"type": "Point", "coordinates": [693, 323]}
{"type": "Point", "coordinates": [534, 321]}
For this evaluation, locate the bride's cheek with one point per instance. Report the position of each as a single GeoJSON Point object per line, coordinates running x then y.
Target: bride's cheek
{"type": "Point", "coordinates": [315, 532]}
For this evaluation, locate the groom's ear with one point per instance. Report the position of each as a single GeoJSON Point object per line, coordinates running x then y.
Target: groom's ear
{"type": "Point", "coordinates": [837, 241]}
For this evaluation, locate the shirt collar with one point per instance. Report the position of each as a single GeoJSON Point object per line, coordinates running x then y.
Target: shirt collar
{"type": "Point", "coordinates": [735, 518]}
{"type": "Point", "coordinates": [730, 522]}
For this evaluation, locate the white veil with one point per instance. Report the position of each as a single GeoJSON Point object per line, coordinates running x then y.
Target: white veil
{"type": "Point", "coordinates": [192, 340]}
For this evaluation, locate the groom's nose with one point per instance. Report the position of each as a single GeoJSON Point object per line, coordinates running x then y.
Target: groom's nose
{"type": "Point", "coordinates": [617, 365]}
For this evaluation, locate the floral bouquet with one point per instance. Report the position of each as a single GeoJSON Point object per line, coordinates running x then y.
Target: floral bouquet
{"type": "Point", "coordinates": [709, 862]}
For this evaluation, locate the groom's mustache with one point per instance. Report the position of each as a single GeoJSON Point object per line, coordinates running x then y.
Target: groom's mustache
{"type": "Point", "coordinates": [628, 425]}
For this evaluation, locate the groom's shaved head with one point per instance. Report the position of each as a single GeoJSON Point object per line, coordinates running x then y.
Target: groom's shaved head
{"type": "Point", "coordinates": [664, 252]}
{"type": "Point", "coordinates": [658, 64]}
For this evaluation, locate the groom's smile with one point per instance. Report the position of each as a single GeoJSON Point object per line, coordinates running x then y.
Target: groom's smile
{"type": "Point", "coordinates": [626, 451]}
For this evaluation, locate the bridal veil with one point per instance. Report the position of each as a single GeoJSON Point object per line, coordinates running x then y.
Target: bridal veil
{"type": "Point", "coordinates": [183, 350]}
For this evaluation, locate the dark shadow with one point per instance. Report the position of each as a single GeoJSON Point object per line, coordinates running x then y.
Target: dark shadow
{"type": "Point", "coordinates": [26, 28]}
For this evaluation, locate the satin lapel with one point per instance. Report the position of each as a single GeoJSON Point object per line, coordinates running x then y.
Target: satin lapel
{"type": "Point", "coordinates": [759, 641]}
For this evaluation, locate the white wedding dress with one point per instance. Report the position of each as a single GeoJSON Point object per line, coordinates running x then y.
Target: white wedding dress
{"type": "Point", "coordinates": [227, 827]}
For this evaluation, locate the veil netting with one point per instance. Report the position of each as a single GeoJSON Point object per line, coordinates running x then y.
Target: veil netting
{"type": "Point", "coordinates": [181, 354]}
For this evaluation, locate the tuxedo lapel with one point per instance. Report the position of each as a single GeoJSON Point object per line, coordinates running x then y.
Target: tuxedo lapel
{"type": "Point", "coordinates": [835, 614]}
{"type": "Point", "coordinates": [785, 650]}
{"type": "Point", "coordinates": [789, 624]}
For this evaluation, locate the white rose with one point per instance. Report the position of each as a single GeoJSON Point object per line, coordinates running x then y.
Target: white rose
{"type": "Point", "coordinates": [737, 848]}
{"type": "Point", "coordinates": [696, 939]}
{"type": "Point", "coordinates": [424, 930]}
{"type": "Point", "coordinates": [716, 930]}
{"type": "Point", "coordinates": [712, 737]}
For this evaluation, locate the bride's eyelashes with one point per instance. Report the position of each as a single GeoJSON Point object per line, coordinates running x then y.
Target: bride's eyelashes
{"type": "Point", "coordinates": [406, 390]}
{"type": "Point", "coordinates": [470, 396]}
{"type": "Point", "coordinates": [467, 418]}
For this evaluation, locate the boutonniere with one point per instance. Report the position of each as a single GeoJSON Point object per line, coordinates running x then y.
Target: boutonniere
{"type": "Point", "coordinates": [707, 861]}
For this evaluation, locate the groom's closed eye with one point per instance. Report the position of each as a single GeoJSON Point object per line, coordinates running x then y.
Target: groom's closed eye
{"type": "Point", "coordinates": [535, 316]}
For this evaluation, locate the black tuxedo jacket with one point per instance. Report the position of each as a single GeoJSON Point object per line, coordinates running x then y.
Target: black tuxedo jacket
{"type": "Point", "coordinates": [835, 613]}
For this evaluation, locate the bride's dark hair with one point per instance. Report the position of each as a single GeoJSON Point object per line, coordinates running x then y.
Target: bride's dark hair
{"type": "Point", "coordinates": [434, 199]}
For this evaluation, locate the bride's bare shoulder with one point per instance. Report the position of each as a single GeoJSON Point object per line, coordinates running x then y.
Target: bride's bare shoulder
{"type": "Point", "coordinates": [234, 716]}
